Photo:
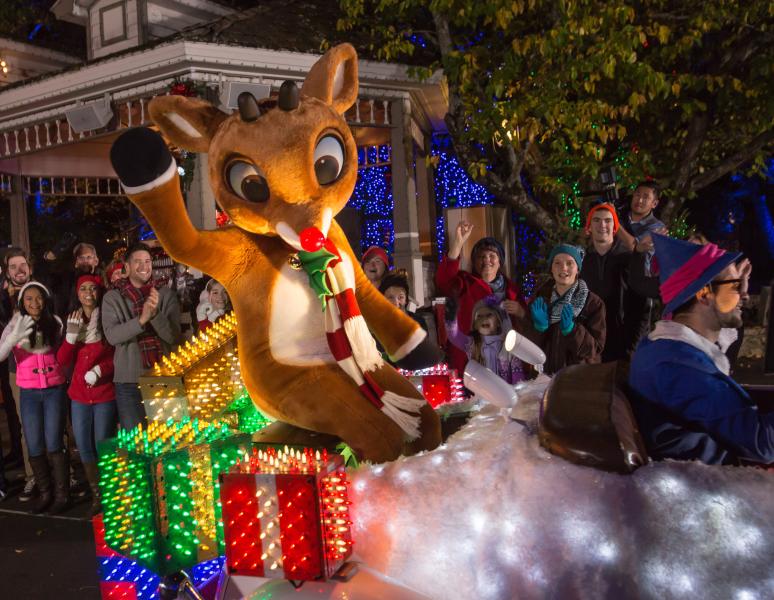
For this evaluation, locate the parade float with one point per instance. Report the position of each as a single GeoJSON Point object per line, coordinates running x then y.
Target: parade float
{"type": "Point", "coordinates": [545, 490]}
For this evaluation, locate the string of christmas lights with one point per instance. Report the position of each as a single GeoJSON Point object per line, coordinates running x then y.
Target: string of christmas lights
{"type": "Point", "coordinates": [372, 196]}
{"type": "Point", "coordinates": [286, 514]}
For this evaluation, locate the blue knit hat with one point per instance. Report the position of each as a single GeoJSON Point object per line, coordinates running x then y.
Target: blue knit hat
{"type": "Point", "coordinates": [575, 251]}
{"type": "Point", "coordinates": [685, 268]}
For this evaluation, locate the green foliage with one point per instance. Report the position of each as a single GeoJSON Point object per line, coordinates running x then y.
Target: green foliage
{"type": "Point", "coordinates": [678, 87]}
{"type": "Point", "coordinates": [348, 454]}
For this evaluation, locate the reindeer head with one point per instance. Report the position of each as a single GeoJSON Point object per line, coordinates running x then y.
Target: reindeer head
{"type": "Point", "coordinates": [276, 167]}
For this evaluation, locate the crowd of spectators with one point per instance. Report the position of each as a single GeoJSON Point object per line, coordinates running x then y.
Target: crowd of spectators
{"type": "Point", "coordinates": [76, 338]}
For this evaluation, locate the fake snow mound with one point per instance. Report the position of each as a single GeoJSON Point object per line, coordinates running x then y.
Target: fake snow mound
{"type": "Point", "coordinates": [491, 514]}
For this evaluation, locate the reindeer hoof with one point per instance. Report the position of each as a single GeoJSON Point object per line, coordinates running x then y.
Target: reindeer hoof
{"type": "Point", "coordinates": [140, 156]}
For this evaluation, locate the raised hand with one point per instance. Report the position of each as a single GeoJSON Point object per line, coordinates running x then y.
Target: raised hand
{"type": "Point", "coordinates": [22, 329]}
{"type": "Point", "coordinates": [539, 312]}
{"type": "Point", "coordinates": [566, 320]}
{"type": "Point", "coordinates": [461, 234]}
{"type": "Point", "coordinates": [74, 326]}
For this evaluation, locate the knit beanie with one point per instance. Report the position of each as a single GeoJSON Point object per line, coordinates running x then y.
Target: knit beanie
{"type": "Point", "coordinates": [95, 279]}
{"type": "Point", "coordinates": [574, 251]}
{"type": "Point", "coordinates": [377, 252]}
{"type": "Point", "coordinates": [489, 243]}
{"type": "Point", "coordinates": [603, 206]}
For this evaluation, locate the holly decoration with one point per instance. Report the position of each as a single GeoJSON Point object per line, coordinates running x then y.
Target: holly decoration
{"type": "Point", "coordinates": [315, 263]}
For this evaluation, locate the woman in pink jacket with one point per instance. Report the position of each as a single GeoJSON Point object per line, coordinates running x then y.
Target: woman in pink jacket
{"type": "Point", "coordinates": [33, 335]}
{"type": "Point", "coordinates": [91, 389]}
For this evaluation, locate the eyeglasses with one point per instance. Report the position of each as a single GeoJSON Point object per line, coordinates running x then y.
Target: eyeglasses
{"type": "Point", "coordinates": [737, 283]}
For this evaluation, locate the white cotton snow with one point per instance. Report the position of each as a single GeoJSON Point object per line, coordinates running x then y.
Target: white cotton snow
{"type": "Point", "coordinates": [491, 514]}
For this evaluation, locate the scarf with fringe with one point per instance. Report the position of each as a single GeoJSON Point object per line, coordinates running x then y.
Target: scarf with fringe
{"type": "Point", "coordinates": [348, 336]}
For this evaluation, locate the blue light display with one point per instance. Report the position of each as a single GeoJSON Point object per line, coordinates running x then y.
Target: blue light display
{"type": "Point", "coordinates": [455, 189]}
{"type": "Point", "coordinates": [372, 196]}
{"type": "Point", "coordinates": [120, 569]}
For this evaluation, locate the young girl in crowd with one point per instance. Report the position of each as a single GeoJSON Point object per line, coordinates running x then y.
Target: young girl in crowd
{"type": "Point", "coordinates": [33, 335]}
{"type": "Point", "coordinates": [214, 303]}
{"type": "Point", "coordinates": [94, 414]}
{"type": "Point", "coordinates": [485, 345]}
{"type": "Point", "coordinates": [568, 320]}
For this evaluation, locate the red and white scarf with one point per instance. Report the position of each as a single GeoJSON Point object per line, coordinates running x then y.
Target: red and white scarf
{"type": "Point", "coordinates": [354, 348]}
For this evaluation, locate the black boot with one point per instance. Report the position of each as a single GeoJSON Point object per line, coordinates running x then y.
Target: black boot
{"type": "Point", "coordinates": [42, 475]}
{"type": "Point", "coordinates": [92, 474]}
{"type": "Point", "coordinates": [61, 471]}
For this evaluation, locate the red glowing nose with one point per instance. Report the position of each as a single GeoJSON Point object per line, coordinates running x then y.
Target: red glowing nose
{"type": "Point", "coordinates": [312, 239]}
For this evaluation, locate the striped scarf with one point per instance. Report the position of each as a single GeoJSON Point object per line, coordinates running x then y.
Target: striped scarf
{"type": "Point", "coordinates": [348, 336]}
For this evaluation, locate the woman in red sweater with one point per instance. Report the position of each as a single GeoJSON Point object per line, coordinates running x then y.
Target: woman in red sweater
{"type": "Point", "coordinates": [91, 384]}
{"type": "Point", "coordinates": [468, 288]}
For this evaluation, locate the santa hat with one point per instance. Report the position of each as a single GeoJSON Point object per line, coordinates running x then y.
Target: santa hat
{"type": "Point", "coordinates": [603, 206]}
{"type": "Point", "coordinates": [685, 268]}
{"type": "Point", "coordinates": [378, 253]}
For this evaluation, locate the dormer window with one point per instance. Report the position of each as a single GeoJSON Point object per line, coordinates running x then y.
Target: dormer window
{"type": "Point", "coordinates": [112, 23]}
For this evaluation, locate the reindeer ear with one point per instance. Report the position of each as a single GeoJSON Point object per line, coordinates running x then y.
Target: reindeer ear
{"type": "Point", "coordinates": [333, 78]}
{"type": "Point", "coordinates": [188, 123]}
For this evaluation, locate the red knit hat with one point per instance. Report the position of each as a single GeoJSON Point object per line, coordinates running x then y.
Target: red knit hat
{"type": "Point", "coordinates": [603, 206]}
{"type": "Point", "coordinates": [116, 267]}
{"type": "Point", "coordinates": [95, 279]}
{"type": "Point", "coordinates": [379, 253]}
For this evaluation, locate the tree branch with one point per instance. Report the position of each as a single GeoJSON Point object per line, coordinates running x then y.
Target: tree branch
{"type": "Point", "coordinates": [697, 132]}
{"type": "Point", "coordinates": [732, 162]}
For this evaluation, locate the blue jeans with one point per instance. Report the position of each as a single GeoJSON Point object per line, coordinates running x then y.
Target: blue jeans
{"type": "Point", "coordinates": [93, 423]}
{"type": "Point", "coordinates": [131, 411]}
{"type": "Point", "coordinates": [43, 413]}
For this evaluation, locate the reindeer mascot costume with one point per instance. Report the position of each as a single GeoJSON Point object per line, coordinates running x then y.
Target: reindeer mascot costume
{"type": "Point", "coordinates": [282, 169]}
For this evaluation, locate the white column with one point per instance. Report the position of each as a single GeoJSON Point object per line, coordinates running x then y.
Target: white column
{"type": "Point", "coordinates": [200, 201]}
{"type": "Point", "coordinates": [20, 232]}
{"type": "Point", "coordinates": [407, 253]}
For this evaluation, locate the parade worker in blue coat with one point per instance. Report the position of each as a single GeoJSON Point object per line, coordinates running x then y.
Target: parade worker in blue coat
{"type": "Point", "coordinates": [686, 404]}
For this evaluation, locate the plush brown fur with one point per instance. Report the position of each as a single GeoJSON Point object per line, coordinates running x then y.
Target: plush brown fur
{"type": "Point", "coordinates": [248, 257]}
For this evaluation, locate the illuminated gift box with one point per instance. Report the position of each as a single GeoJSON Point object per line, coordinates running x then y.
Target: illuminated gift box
{"type": "Point", "coordinates": [121, 578]}
{"type": "Point", "coordinates": [198, 380]}
{"type": "Point", "coordinates": [439, 384]}
{"type": "Point", "coordinates": [286, 514]}
{"type": "Point", "coordinates": [160, 492]}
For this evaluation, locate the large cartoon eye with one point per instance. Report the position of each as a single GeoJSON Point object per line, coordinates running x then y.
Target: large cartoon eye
{"type": "Point", "coordinates": [246, 181]}
{"type": "Point", "coordinates": [328, 159]}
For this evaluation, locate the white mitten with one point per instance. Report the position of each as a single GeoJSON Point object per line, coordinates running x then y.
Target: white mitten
{"type": "Point", "coordinates": [92, 375]}
{"type": "Point", "coordinates": [215, 314]}
{"type": "Point", "coordinates": [203, 311]}
{"type": "Point", "coordinates": [74, 324]}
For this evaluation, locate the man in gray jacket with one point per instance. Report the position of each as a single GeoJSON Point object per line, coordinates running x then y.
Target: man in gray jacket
{"type": "Point", "coordinates": [143, 324]}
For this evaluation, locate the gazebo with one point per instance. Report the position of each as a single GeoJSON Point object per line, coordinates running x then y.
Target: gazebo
{"type": "Point", "coordinates": [56, 128]}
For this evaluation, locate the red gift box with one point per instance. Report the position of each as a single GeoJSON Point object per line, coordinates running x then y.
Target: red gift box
{"type": "Point", "coordinates": [439, 384]}
{"type": "Point", "coordinates": [286, 514]}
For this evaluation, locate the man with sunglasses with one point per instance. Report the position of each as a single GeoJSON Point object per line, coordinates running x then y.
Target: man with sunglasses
{"type": "Point", "coordinates": [687, 405]}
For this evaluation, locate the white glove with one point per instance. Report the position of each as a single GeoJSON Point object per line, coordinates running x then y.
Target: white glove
{"type": "Point", "coordinates": [21, 329]}
{"type": "Point", "coordinates": [92, 375]}
{"type": "Point", "coordinates": [203, 311]}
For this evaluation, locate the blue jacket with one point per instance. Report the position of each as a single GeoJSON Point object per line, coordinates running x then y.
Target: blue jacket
{"type": "Point", "coordinates": [688, 409]}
